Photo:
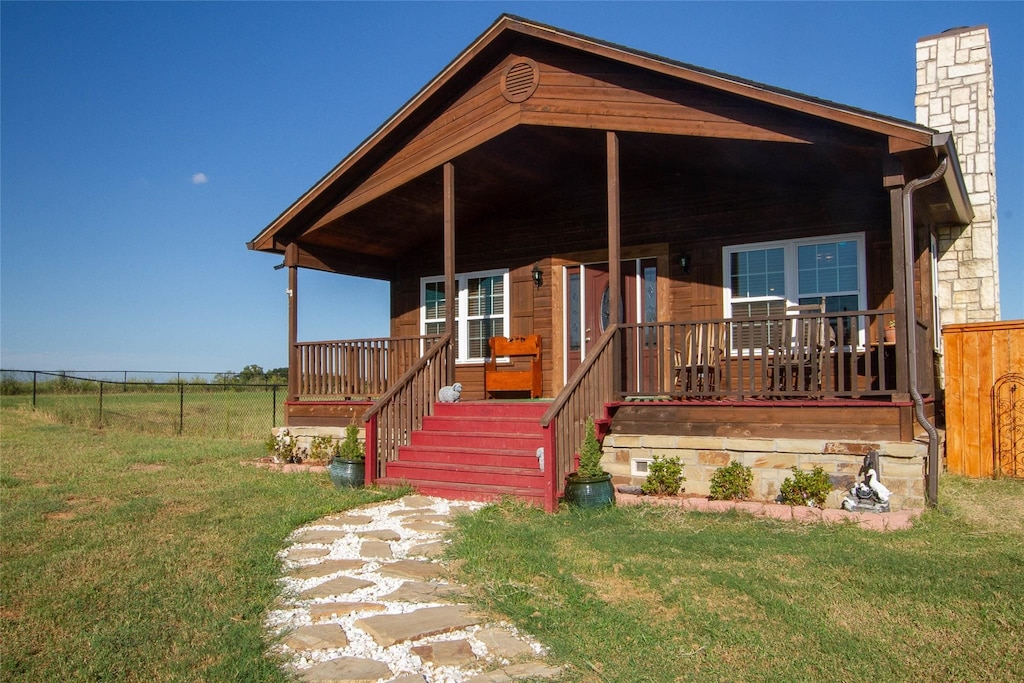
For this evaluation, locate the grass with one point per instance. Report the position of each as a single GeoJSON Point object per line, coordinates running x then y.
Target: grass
{"type": "Point", "coordinates": [132, 557]}
{"type": "Point", "coordinates": [202, 410]}
{"type": "Point", "coordinates": [654, 594]}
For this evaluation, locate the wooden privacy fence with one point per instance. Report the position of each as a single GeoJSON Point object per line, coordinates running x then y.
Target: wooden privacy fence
{"type": "Point", "coordinates": [984, 370]}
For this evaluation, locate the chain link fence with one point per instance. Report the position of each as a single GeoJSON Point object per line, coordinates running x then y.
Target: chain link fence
{"type": "Point", "coordinates": [195, 404]}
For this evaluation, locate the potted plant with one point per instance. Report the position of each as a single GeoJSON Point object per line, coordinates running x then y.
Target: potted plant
{"type": "Point", "coordinates": [890, 332]}
{"type": "Point", "coordinates": [348, 465]}
{"type": "Point", "coordinates": [590, 486]}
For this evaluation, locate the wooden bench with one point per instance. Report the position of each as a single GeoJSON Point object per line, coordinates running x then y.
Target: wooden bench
{"type": "Point", "coordinates": [507, 378]}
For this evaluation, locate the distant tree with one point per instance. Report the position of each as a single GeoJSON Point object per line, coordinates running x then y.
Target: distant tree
{"type": "Point", "coordinates": [252, 374]}
{"type": "Point", "coordinates": [277, 376]}
{"type": "Point", "coordinates": [225, 377]}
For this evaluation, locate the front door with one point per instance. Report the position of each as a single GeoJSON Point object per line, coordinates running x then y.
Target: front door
{"type": "Point", "coordinates": [587, 306]}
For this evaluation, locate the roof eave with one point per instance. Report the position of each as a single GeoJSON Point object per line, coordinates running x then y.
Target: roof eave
{"type": "Point", "coordinates": [389, 125]}
{"type": "Point", "coordinates": [954, 178]}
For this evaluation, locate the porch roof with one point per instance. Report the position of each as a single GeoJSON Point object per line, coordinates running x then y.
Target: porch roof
{"type": "Point", "coordinates": [375, 206]}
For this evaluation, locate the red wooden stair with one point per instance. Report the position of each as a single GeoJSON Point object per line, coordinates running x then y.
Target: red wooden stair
{"type": "Point", "coordinates": [475, 451]}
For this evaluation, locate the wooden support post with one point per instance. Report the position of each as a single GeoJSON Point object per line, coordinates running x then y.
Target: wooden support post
{"type": "Point", "coordinates": [450, 294]}
{"type": "Point", "coordinates": [894, 182]}
{"type": "Point", "coordinates": [291, 260]}
{"type": "Point", "coordinates": [614, 258]}
{"type": "Point", "coordinates": [614, 227]}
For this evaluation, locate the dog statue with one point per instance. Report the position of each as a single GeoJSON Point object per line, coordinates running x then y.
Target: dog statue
{"type": "Point", "coordinates": [450, 394]}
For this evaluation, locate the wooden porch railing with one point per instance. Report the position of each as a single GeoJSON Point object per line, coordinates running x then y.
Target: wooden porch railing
{"type": "Point", "coordinates": [400, 411]}
{"type": "Point", "coordinates": [745, 358]}
{"type": "Point", "coordinates": [356, 367]}
{"type": "Point", "coordinates": [716, 359]}
{"type": "Point", "coordinates": [589, 389]}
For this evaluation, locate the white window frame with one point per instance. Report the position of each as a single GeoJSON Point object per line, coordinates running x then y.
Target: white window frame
{"type": "Point", "coordinates": [462, 308]}
{"type": "Point", "coordinates": [791, 270]}
{"type": "Point", "coordinates": [640, 467]}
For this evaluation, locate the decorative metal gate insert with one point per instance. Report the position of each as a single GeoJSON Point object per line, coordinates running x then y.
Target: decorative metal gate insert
{"type": "Point", "coordinates": [1008, 425]}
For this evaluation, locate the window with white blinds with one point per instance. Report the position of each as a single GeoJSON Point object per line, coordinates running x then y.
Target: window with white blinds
{"type": "Point", "coordinates": [481, 311]}
{"type": "Point", "coordinates": [766, 278]}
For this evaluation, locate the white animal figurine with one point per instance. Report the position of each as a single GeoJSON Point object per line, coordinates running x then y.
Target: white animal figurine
{"type": "Point", "coordinates": [878, 487]}
{"type": "Point", "coordinates": [450, 394]}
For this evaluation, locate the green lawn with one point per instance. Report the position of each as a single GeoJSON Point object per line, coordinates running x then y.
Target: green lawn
{"type": "Point", "coordinates": [653, 594]}
{"type": "Point", "coordinates": [130, 557]}
{"type": "Point", "coordinates": [201, 410]}
{"type": "Point", "coordinates": [142, 558]}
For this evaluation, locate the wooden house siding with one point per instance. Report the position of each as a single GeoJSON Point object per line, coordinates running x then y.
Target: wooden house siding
{"type": "Point", "coordinates": [875, 422]}
{"type": "Point", "coordinates": [582, 92]}
{"type": "Point", "coordinates": [579, 91]}
{"type": "Point", "coordinates": [739, 215]}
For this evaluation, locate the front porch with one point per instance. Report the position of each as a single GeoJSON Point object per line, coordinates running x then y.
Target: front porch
{"type": "Point", "coordinates": [726, 378]}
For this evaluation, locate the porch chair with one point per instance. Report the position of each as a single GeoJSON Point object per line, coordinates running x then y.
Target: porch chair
{"type": "Point", "coordinates": [799, 360]}
{"type": "Point", "coordinates": [703, 347]}
{"type": "Point", "coordinates": [509, 378]}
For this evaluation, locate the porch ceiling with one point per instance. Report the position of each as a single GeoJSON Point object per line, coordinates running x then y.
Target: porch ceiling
{"type": "Point", "coordinates": [531, 170]}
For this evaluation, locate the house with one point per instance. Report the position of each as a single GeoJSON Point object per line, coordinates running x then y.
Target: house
{"type": "Point", "coordinates": [716, 269]}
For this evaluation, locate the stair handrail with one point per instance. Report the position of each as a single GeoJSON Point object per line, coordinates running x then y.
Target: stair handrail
{"type": "Point", "coordinates": [388, 426]}
{"type": "Point", "coordinates": [586, 393]}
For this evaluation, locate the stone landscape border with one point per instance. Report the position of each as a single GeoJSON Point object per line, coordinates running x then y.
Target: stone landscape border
{"type": "Point", "coordinates": [874, 521]}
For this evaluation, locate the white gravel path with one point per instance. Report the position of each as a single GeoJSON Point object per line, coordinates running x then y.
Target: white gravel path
{"type": "Point", "coordinates": [295, 612]}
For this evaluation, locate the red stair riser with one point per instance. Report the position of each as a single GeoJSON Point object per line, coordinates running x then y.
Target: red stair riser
{"type": "Point", "coordinates": [416, 454]}
{"type": "Point", "coordinates": [457, 491]}
{"type": "Point", "coordinates": [415, 473]}
{"type": "Point", "coordinates": [481, 496]}
{"type": "Point", "coordinates": [477, 424]}
{"type": "Point", "coordinates": [491, 409]}
{"type": "Point", "coordinates": [482, 442]}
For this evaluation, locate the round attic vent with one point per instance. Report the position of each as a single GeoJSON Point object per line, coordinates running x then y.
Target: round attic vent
{"type": "Point", "coordinates": [519, 80]}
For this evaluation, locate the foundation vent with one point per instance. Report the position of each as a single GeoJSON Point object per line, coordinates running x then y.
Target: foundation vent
{"type": "Point", "coordinates": [641, 468]}
{"type": "Point", "coordinates": [520, 80]}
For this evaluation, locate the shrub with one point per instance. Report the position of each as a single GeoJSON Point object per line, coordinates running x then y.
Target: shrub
{"type": "Point", "coordinates": [805, 488]}
{"type": "Point", "coordinates": [284, 447]}
{"type": "Point", "coordinates": [321, 448]}
{"type": "Point", "coordinates": [12, 387]}
{"type": "Point", "coordinates": [731, 482]}
{"type": "Point", "coordinates": [664, 477]}
{"type": "Point", "coordinates": [351, 448]}
{"type": "Point", "coordinates": [590, 453]}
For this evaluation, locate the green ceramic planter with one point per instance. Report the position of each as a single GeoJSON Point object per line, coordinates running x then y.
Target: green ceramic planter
{"type": "Point", "coordinates": [589, 492]}
{"type": "Point", "coordinates": [347, 474]}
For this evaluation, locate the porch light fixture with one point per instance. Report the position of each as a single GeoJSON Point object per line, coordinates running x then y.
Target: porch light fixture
{"type": "Point", "coordinates": [537, 274]}
{"type": "Point", "coordinates": [684, 263]}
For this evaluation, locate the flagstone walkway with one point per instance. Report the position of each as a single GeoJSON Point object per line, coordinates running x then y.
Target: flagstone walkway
{"type": "Point", "coordinates": [365, 600]}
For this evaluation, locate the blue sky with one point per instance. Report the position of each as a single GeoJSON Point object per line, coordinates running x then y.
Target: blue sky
{"type": "Point", "coordinates": [142, 144]}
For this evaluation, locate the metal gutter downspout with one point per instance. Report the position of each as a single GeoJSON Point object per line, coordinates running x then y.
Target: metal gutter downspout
{"type": "Point", "coordinates": [932, 479]}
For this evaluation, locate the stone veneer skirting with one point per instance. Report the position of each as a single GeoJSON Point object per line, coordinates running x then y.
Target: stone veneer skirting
{"type": "Point", "coordinates": [902, 464]}
{"type": "Point", "coordinates": [304, 435]}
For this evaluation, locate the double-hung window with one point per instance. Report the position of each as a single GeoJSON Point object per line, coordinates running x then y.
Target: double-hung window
{"type": "Point", "coordinates": [766, 278]}
{"type": "Point", "coordinates": [481, 311]}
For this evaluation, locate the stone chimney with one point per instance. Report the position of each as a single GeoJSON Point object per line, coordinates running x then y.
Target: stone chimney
{"type": "Point", "coordinates": [955, 95]}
